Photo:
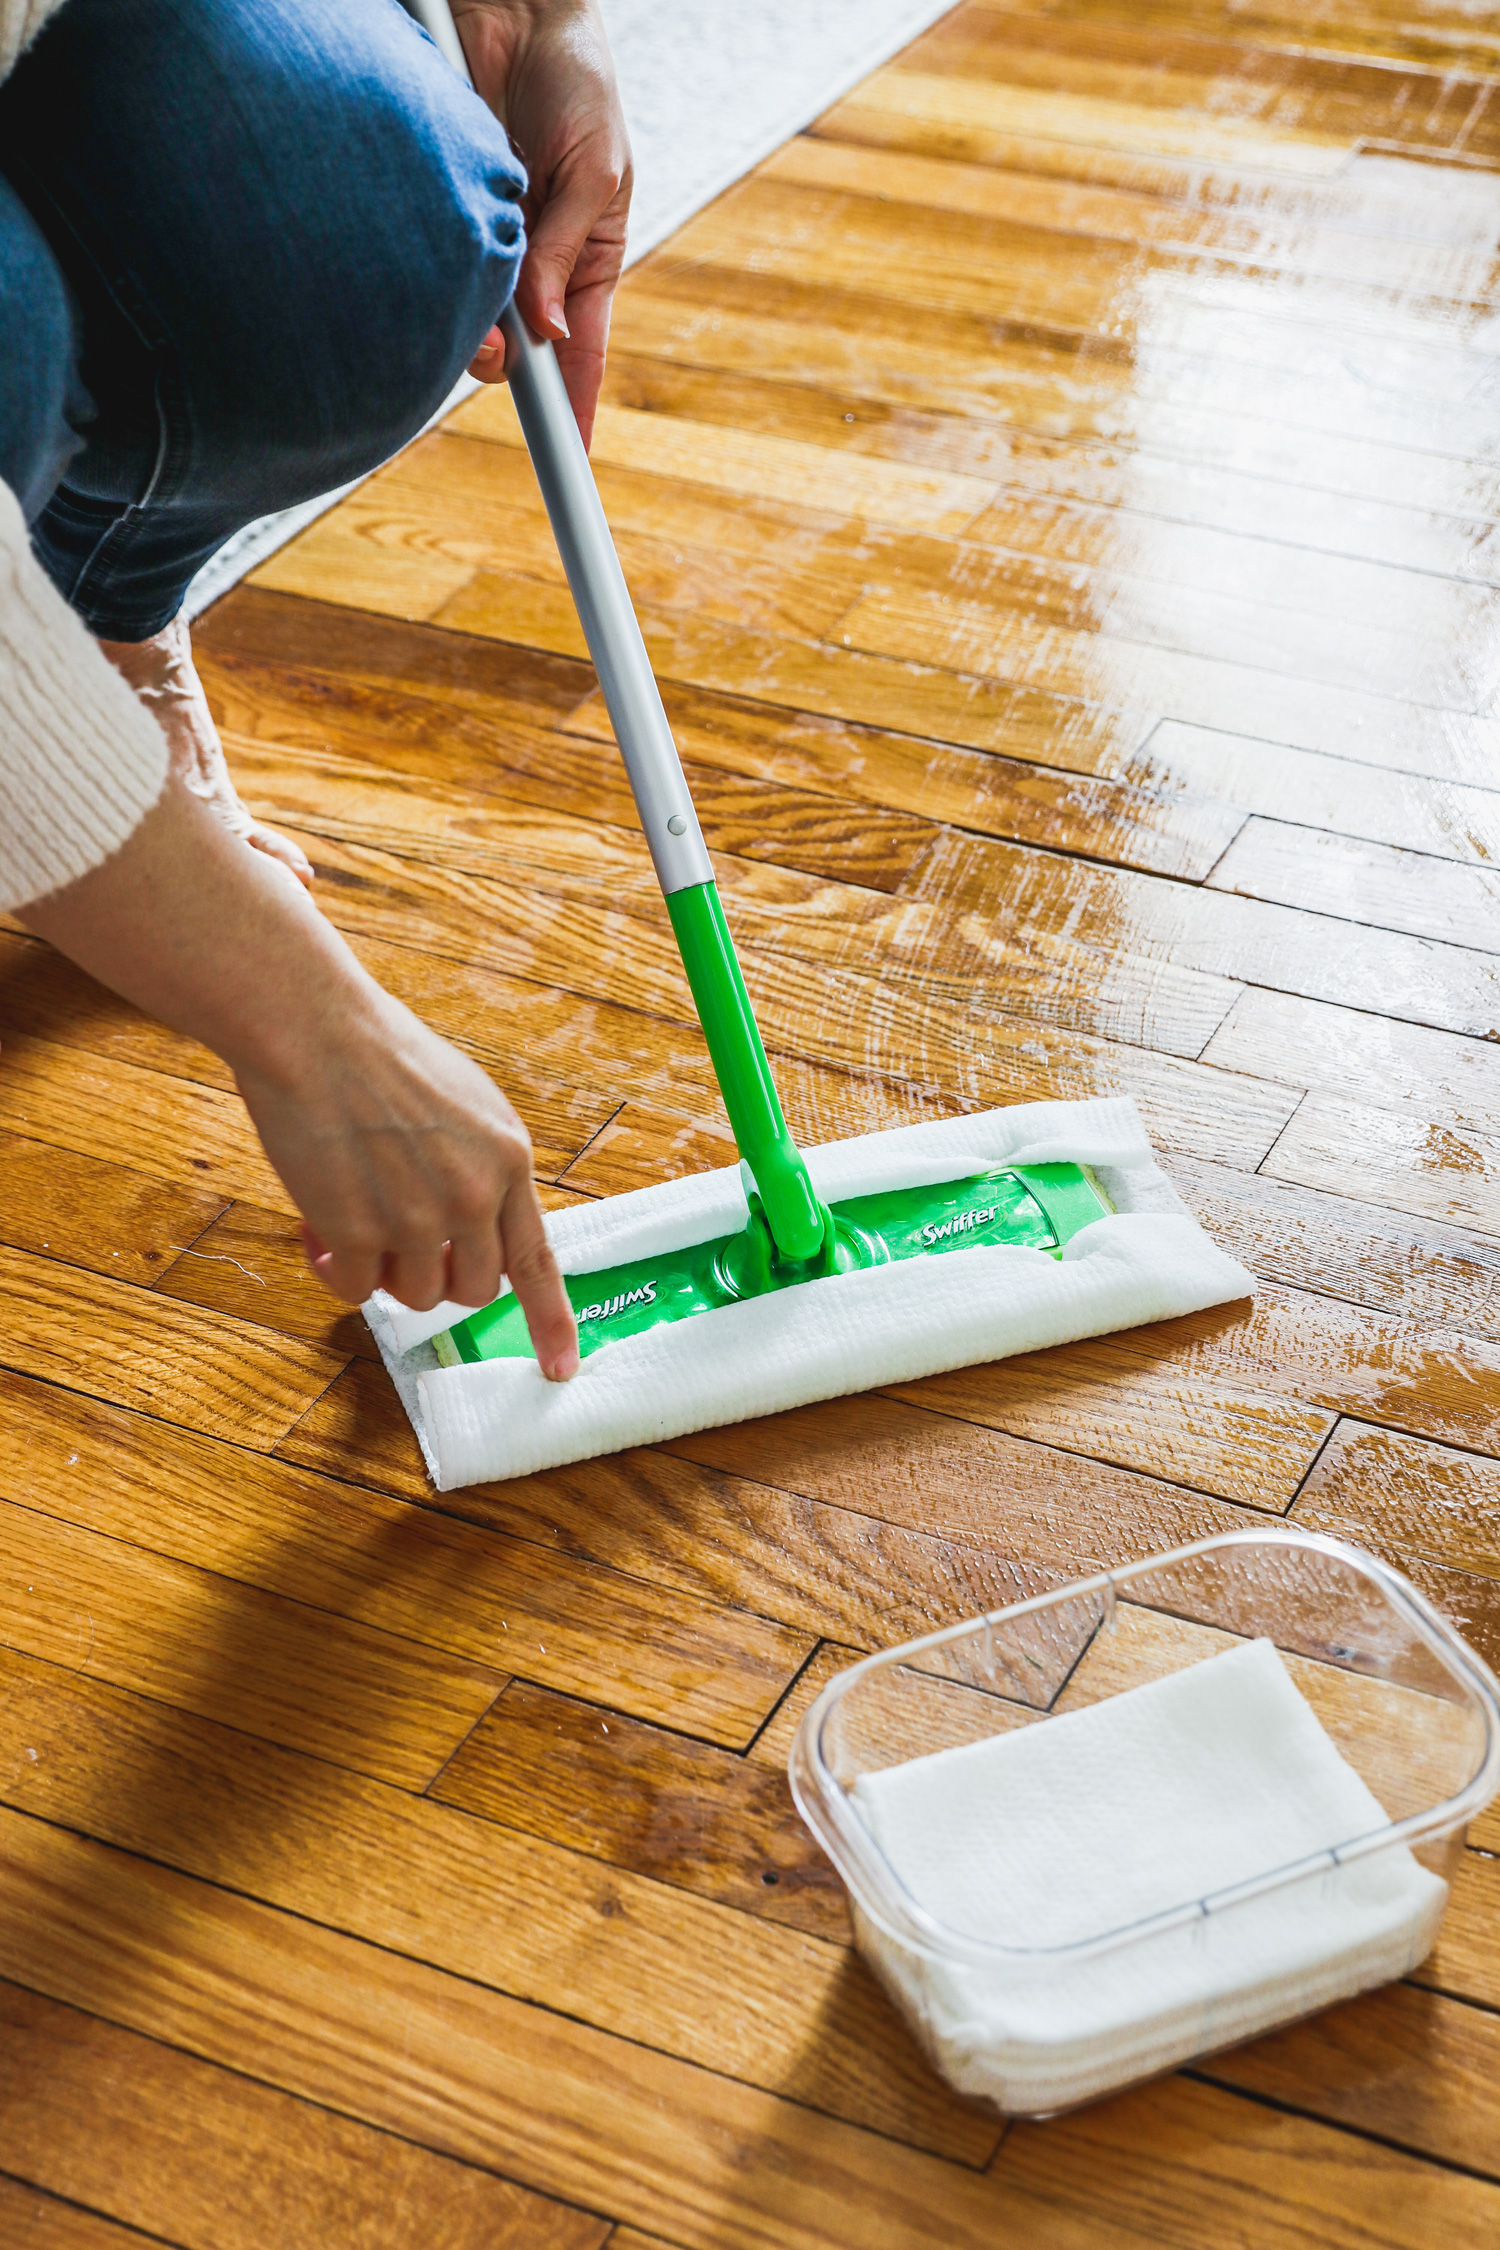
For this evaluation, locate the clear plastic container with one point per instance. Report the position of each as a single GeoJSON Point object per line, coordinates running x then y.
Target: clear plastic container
{"type": "Point", "coordinates": [1033, 2026]}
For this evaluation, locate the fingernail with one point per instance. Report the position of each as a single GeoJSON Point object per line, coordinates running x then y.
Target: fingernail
{"type": "Point", "coordinates": [566, 1366]}
{"type": "Point", "coordinates": [557, 318]}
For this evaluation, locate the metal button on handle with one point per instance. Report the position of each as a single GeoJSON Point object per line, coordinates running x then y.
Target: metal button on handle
{"type": "Point", "coordinates": [677, 826]}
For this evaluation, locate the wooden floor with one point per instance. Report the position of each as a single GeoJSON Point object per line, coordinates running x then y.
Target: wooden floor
{"type": "Point", "coordinates": [1060, 493]}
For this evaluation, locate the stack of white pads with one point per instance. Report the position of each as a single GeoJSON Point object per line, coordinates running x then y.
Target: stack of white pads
{"type": "Point", "coordinates": [823, 1339]}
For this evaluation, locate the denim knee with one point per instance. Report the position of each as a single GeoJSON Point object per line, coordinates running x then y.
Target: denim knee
{"type": "Point", "coordinates": [41, 398]}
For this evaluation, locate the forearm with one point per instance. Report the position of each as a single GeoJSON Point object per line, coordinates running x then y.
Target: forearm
{"type": "Point", "coordinates": [212, 938]}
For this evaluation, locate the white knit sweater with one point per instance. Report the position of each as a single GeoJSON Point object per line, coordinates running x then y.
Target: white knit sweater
{"type": "Point", "coordinates": [81, 761]}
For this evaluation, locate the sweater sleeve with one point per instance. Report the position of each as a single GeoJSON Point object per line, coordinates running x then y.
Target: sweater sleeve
{"type": "Point", "coordinates": [81, 761]}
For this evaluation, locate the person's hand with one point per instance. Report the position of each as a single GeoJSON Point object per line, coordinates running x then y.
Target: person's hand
{"type": "Point", "coordinates": [544, 68]}
{"type": "Point", "coordinates": [410, 1168]}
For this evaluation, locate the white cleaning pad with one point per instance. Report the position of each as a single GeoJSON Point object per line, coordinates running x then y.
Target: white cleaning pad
{"type": "Point", "coordinates": [849, 1332]}
{"type": "Point", "coordinates": [1077, 1826]}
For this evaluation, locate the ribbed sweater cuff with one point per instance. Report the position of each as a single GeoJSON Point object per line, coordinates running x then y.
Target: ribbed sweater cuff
{"type": "Point", "coordinates": [81, 761]}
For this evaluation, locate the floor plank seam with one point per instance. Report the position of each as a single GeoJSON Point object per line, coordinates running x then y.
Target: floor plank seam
{"type": "Point", "coordinates": [129, 2231]}
{"type": "Point", "coordinates": [1204, 2076]}
{"type": "Point", "coordinates": [561, 2014]}
{"type": "Point", "coordinates": [308, 2101]}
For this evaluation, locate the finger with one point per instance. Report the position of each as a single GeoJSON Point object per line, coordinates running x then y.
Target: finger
{"type": "Point", "coordinates": [532, 1272]}
{"type": "Point", "coordinates": [414, 1275]}
{"type": "Point", "coordinates": [488, 363]}
{"type": "Point", "coordinates": [574, 203]}
{"type": "Point", "coordinates": [581, 355]}
{"type": "Point", "coordinates": [475, 1270]}
{"type": "Point", "coordinates": [352, 1275]}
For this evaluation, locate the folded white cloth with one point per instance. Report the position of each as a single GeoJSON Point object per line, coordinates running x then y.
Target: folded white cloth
{"type": "Point", "coordinates": [826, 1338]}
{"type": "Point", "coordinates": [1074, 1827]}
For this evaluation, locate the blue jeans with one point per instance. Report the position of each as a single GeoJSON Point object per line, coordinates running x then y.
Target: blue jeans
{"type": "Point", "coordinates": [246, 248]}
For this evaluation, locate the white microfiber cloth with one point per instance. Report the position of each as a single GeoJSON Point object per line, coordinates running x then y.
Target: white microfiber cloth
{"type": "Point", "coordinates": [849, 1332]}
{"type": "Point", "coordinates": [1078, 1826]}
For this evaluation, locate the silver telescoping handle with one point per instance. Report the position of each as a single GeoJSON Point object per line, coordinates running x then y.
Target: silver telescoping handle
{"type": "Point", "coordinates": [609, 621]}
{"type": "Point", "coordinates": [581, 530]}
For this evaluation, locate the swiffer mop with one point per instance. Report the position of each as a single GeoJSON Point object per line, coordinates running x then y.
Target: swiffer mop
{"type": "Point", "coordinates": [798, 1277]}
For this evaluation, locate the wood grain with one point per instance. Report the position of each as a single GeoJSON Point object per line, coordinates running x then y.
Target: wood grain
{"type": "Point", "coordinates": [205, 2156]}
{"type": "Point", "coordinates": [500, 1904]}
{"type": "Point", "coordinates": [273, 1666]}
{"type": "Point", "coordinates": [133, 1349]}
{"type": "Point", "coordinates": [1425, 1498]}
{"type": "Point", "coordinates": [555, 2105]}
{"type": "Point", "coordinates": [1060, 494]}
{"type": "Point", "coordinates": [1411, 2067]}
{"type": "Point", "coordinates": [34, 2220]}
{"type": "Point", "coordinates": [680, 1812]}
{"type": "Point", "coordinates": [104, 1217]}
{"type": "Point", "coordinates": [1174, 2164]}
{"type": "Point", "coordinates": [401, 1571]}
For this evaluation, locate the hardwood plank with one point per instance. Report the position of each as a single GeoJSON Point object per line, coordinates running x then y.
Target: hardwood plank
{"type": "Point", "coordinates": [1368, 802]}
{"type": "Point", "coordinates": [819, 1571]}
{"type": "Point", "coordinates": [410, 1573]}
{"type": "Point", "coordinates": [103, 1217]}
{"type": "Point", "coordinates": [522, 1915]}
{"type": "Point", "coordinates": [1424, 1498]}
{"type": "Point", "coordinates": [966, 879]}
{"type": "Point", "coordinates": [172, 1129]}
{"type": "Point", "coordinates": [1354, 1053]}
{"type": "Point", "coordinates": [758, 774]}
{"type": "Point", "coordinates": [793, 332]}
{"type": "Point", "coordinates": [554, 2105]}
{"type": "Point", "coordinates": [972, 122]}
{"type": "Point", "coordinates": [1071, 288]}
{"type": "Point", "coordinates": [403, 682]}
{"type": "Point", "coordinates": [772, 1746]}
{"type": "Point", "coordinates": [1463, 1961]}
{"type": "Point", "coordinates": [251, 1265]}
{"type": "Point", "coordinates": [1144, 481]}
{"type": "Point", "coordinates": [33, 2220]}
{"type": "Point", "coordinates": [512, 1026]}
{"type": "Point", "coordinates": [986, 39]}
{"type": "Point", "coordinates": [1444, 38]}
{"type": "Point", "coordinates": [682, 1813]}
{"type": "Point", "coordinates": [639, 1146]}
{"type": "Point", "coordinates": [1358, 881]}
{"type": "Point", "coordinates": [1181, 2166]}
{"type": "Point", "coordinates": [1227, 693]}
{"type": "Point", "coordinates": [1403, 1160]}
{"type": "Point", "coordinates": [804, 936]}
{"type": "Point", "coordinates": [753, 466]}
{"type": "Point", "coordinates": [46, 997]}
{"type": "Point", "coordinates": [362, 803]}
{"type": "Point", "coordinates": [1118, 213]}
{"type": "Point", "coordinates": [1168, 831]}
{"type": "Point", "coordinates": [888, 1057]}
{"type": "Point", "coordinates": [1437, 1276]}
{"type": "Point", "coordinates": [695, 647]}
{"type": "Point", "coordinates": [262, 1662]}
{"type": "Point", "coordinates": [1411, 2067]}
{"type": "Point", "coordinates": [129, 1347]}
{"type": "Point", "coordinates": [1331, 1357]}
{"type": "Point", "coordinates": [204, 2156]}
{"type": "Point", "coordinates": [1055, 1510]}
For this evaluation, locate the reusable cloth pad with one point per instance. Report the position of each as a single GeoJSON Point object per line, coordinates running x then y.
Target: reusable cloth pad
{"type": "Point", "coordinates": [850, 1332]}
{"type": "Point", "coordinates": [1080, 1825]}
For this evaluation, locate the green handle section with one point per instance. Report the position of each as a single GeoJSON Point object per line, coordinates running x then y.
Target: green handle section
{"type": "Point", "coordinates": [797, 1220]}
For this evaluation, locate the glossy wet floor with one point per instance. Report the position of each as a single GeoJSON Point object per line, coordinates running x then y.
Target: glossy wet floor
{"type": "Point", "coordinates": [1060, 490]}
